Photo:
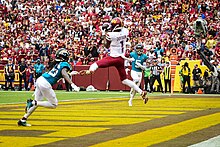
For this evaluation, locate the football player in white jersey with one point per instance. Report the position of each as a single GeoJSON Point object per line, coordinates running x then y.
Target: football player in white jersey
{"type": "Point", "coordinates": [44, 85]}
{"type": "Point", "coordinates": [115, 40]}
{"type": "Point", "coordinates": [137, 66]}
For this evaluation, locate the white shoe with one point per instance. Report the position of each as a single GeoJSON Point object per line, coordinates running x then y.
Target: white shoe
{"type": "Point", "coordinates": [77, 89]}
{"type": "Point", "coordinates": [129, 103]}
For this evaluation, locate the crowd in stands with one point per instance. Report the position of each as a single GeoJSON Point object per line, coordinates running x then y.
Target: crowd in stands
{"type": "Point", "coordinates": [35, 29]}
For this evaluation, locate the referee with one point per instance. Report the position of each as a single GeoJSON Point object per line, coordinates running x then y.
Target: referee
{"type": "Point", "coordinates": [167, 76]}
{"type": "Point", "coordinates": [156, 70]}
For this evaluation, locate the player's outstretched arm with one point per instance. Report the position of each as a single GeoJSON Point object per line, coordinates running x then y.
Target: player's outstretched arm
{"type": "Point", "coordinates": [74, 73]}
{"type": "Point", "coordinates": [107, 41]}
{"type": "Point", "coordinates": [65, 75]}
{"type": "Point", "coordinates": [67, 78]}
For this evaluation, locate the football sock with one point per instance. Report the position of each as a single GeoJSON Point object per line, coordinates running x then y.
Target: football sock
{"type": "Point", "coordinates": [30, 111]}
{"type": "Point", "coordinates": [23, 119]}
{"type": "Point", "coordinates": [34, 102]}
{"type": "Point", "coordinates": [93, 67]}
{"type": "Point", "coordinates": [46, 104]}
{"type": "Point", "coordinates": [132, 85]}
{"type": "Point", "coordinates": [132, 93]}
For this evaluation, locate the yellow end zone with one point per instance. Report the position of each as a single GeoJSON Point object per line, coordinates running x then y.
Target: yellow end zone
{"type": "Point", "coordinates": [82, 118]}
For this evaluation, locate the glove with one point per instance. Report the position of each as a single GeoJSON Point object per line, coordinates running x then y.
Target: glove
{"type": "Point", "coordinates": [138, 65]}
{"type": "Point", "coordinates": [74, 73]}
{"type": "Point", "coordinates": [85, 72]}
{"type": "Point", "coordinates": [103, 32]}
{"type": "Point", "coordinates": [129, 59]}
{"type": "Point", "coordinates": [105, 27]}
{"type": "Point", "coordinates": [127, 70]}
{"type": "Point", "coordinates": [75, 88]}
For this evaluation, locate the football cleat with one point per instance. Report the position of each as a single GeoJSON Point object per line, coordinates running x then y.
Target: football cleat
{"type": "Point", "coordinates": [77, 89]}
{"type": "Point", "coordinates": [29, 105]}
{"type": "Point", "coordinates": [129, 103]}
{"type": "Point", "coordinates": [23, 123]}
{"type": "Point", "coordinates": [144, 97]}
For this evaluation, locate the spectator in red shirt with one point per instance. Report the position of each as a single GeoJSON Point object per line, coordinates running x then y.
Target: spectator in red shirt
{"type": "Point", "coordinates": [60, 22]}
{"type": "Point", "coordinates": [21, 54]}
{"type": "Point", "coordinates": [79, 62]}
{"type": "Point", "coordinates": [217, 50]}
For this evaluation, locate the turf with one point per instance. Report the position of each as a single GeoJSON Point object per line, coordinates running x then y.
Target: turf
{"type": "Point", "coordinates": [9, 97]}
{"type": "Point", "coordinates": [105, 119]}
{"type": "Point", "coordinates": [22, 96]}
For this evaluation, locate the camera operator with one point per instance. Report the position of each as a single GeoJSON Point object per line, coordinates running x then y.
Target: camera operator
{"type": "Point", "coordinates": [207, 81]}
{"type": "Point", "coordinates": [10, 75]}
{"type": "Point", "coordinates": [215, 78]}
{"type": "Point", "coordinates": [200, 30]}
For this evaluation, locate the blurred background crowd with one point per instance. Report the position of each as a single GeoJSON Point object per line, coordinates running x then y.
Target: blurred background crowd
{"type": "Point", "coordinates": [34, 29]}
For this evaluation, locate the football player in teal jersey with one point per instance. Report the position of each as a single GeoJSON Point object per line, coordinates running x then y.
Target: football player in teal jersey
{"type": "Point", "coordinates": [136, 68]}
{"type": "Point", "coordinates": [44, 85]}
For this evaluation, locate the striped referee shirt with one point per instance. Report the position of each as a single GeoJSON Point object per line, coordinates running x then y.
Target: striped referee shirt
{"type": "Point", "coordinates": [156, 70]}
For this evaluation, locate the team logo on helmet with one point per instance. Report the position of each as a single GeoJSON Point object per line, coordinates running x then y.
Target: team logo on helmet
{"type": "Point", "coordinates": [116, 24]}
{"type": "Point", "coordinates": [62, 55]}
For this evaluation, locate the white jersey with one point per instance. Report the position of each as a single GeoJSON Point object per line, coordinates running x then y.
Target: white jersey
{"type": "Point", "coordinates": [118, 40]}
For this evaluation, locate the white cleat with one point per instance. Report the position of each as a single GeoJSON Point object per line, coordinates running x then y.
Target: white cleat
{"type": "Point", "coordinates": [129, 103]}
{"type": "Point", "coordinates": [77, 89]}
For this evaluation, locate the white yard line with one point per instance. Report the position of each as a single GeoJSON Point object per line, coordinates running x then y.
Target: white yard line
{"type": "Point", "coordinates": [212, 142]}
{"type": "Point", "coordinates": [68, 100]}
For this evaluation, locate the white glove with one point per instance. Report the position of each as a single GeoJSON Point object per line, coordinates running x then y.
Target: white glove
{"type": "Point", "coordinates": [75, 88]}
{"type": "Point", "coordinates": [103, 32]}
{"type": "Point", "coordinates": [127, 70]}
{"type": "Point", "coordinates": [129, 59]}
{"type": "Point", "coordinates": [138, 65]}
{"type": "Point", "coordinates": [74, 73]}
{"type": "Point", "coordinates": [105, 27]}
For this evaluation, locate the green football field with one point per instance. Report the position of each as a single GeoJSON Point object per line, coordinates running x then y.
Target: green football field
{"type": "Point", "coordinates": [100, 119]}
{"type": "Point", "coordinates": [22, 96]}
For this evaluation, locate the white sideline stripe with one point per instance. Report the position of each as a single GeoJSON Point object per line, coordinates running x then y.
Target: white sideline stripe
{"type": "Point", "coordinates": [56, 91]}
{"type": "Point", "coordinates": [69, 100]}
{"type": "Point", "coordinates": [212, 142]}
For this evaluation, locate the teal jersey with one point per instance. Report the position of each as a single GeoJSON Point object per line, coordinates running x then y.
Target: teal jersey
{"type": "Point", "coordinates": [137, 59]}
{"type": "Point", "coordinates": [55, 74]}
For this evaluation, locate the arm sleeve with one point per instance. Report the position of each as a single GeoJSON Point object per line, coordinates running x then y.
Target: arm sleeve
{"type": "Point", "coordinates": [66, 75]}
